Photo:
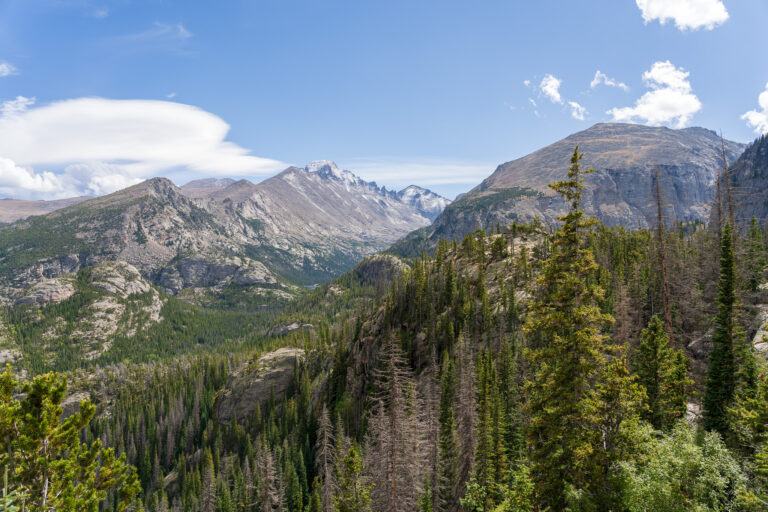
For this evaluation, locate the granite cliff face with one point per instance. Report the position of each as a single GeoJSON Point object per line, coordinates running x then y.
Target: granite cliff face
{"type": "Point", "coordinates": [749, 179]}
{"type": "Point", "coordinates": [618, 192]}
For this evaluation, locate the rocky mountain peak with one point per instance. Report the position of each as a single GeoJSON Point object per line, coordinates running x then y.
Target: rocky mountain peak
{"type": "Point", "coordinates": [329, 170]}
{"type": "Point", "coordinates": [427, 202]}
{"type": "Point", "coordinates": [157, 187]}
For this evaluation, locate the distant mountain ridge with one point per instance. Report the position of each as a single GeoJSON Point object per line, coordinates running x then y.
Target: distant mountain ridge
{"type": "Point", "coordinates": [624, 157]}
{"type": "Point", "coordinates": [12, 210]}
{"type": "Point", "coordinates": [300, 227]}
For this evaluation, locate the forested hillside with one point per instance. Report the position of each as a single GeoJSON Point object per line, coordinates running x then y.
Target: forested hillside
{"type": "Point", "coordinates": [591, 368]}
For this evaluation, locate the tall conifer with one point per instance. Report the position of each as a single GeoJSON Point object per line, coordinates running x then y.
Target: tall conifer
{"type": "Point", "coordinates": [568, 321]}
{"type": "Point", "coordinates": [721, 374]}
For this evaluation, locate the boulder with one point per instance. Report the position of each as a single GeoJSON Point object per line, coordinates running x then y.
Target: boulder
{"type": "Point", "coordinates": [280, 330]}
{"type": "Point", "coordinates": [760, 340]}
{"type": "Point", "coordinates": [252, 383]}
{"type": "Point", "coordinates": [701, 346]}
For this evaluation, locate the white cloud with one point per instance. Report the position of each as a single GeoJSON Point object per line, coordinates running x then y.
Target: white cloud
{"type": "Point", "coordinates": [550, 86]}
{"type": "Point", "coordinates": [602, 78]}
{"type": "Point", "coordinates": [687, 14]}
{"type": "Point", "coordinates": [96, 145]}
{"type": "Point", "coordinates": [7, 69]}
{"type": "Point", "coordinates": [758, 119]}
{"type": "Point", "coordinates": [15, 106]}
{"type": "Point", "coordinates": [19, 181]}
{"type": "Point", "coordinates": [170, 95]}
{"type": "Point", "coordinates": [577, 111]}
{"type": "Point", "coordinates": [670, 100]}
{"type": "Point", "coordinates": [527, 83]}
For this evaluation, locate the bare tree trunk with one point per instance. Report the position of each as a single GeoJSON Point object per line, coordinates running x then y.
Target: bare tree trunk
{"type": "Point", "coordinates": [325, 458]}
{"type": "Point", "coordinates": [663, 257]}
{"type": "Point", "coordinates": [467, 417]}
{"type": "Point", "coordinates": [727, 176]}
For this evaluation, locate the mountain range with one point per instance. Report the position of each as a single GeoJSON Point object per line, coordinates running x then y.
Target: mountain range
{"type": "Point", "coordinates": [243, 246]}
{"type": "Point", "coordinates": [299, 227]}
{"type": "Point", "coordinates": [619, 192]}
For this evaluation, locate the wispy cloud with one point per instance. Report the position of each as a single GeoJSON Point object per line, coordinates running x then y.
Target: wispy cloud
{"type": "Point", "coordinates": [7, 69]}
{"type": "Point", "coordinates": [670, 100]}
{"type": "Point", "coordinates": [602, 78]}
{"type": "Point", "coordinates": [687, 14]}
{"type": "Point", "coordinates": [550, 87]}
{"type": "Point", "coordinates": [758, 118]}
{"type": "Point", "coordinates": [15, 106]}
{"type": "Point", "coordinates": [577, 111]}
{"type": "Point", "coordinates": [96, 145]}
{"type": "Point", "coordinates": [159, 37]}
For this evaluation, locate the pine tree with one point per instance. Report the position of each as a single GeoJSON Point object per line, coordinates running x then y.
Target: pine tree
{"type": "Point", "coordinates": [315, 501]}
{"type": "Point", "coordinates": [662, 371]}
{"type": "Point", "coordinates": [721, 373]}
{"type": "Point", "coordinates": [489, 476]}
{"type": "Point", "coordinates": [44, 456]}
{"type": "Point", "coordinates": [565, 316]}
{"type": "Point", "coordinates": [354, 490]}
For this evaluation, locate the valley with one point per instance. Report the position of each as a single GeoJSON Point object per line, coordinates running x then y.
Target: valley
{"type": "Point", "coordinates": [223, 377]}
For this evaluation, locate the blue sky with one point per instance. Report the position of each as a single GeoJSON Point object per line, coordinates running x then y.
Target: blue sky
{"type": "Point", "coordinates": [97, 95]}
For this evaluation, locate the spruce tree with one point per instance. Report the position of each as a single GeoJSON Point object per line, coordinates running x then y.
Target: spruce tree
{"type": "Point", "coordinates": [662, 371]}
{"type": "Point", "coordinates": [566, 318]}
{"type": "Point", "coordinates": [721, 373]}
{"type": "Point", "coordinates": [354, 490]}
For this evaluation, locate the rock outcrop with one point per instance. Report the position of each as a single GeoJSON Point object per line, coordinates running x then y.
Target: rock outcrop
{"type": "Point", "coordinates": [749, 178]}
{"type": "Point", "coordinates": [253, 383]}
{"type": "Point", "coordinates": [48, 291]}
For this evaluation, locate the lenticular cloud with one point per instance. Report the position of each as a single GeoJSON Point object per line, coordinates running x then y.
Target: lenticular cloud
{"type": "Point", "coordinates": [118, 142]}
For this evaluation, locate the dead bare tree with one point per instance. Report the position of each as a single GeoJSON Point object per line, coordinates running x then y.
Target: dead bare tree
{"type": "Point", "coordinates": [394, 451]}
{"type": "Point", "coordinates": [467, 411]}
{"type": "Point", "coordinates": [325, 458]}
{"type": "Point", "coordinates": [663, 255]}
{"type": "Point", "coordinates": [727, 177]}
